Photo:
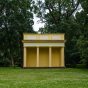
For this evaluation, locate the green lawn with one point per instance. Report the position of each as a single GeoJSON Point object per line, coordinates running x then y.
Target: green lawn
{"type": "Point", "coordinates": [43, 78]}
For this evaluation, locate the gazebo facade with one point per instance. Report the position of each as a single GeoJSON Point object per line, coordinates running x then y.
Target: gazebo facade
{"type": "Point", "coordinates": [43, 50]}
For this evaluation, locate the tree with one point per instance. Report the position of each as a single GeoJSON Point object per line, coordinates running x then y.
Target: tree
{"type": "Point", "coordinates": [16, 17]}
{"type": "Point", "coordinates": [58, 16]}
{"type": "Point", "coordinates": [82, 20]}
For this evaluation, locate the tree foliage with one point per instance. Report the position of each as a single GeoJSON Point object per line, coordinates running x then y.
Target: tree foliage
{"type": "Point", "coordinates": [82, 43]}
{"type": "Point", "coordinates": [60, 18]}
{"type": "Point", "coordinates": [16, 17]}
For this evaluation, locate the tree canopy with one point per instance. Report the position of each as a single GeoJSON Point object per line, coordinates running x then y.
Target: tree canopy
{"type": "Point", "coordinates": [16, 17]}
{"type": "Point", "coordinates": [59, 16]}
{"type": "Point", "coordinates": [64, 16]}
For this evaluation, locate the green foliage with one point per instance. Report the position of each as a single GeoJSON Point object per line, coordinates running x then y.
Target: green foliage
{"type": "Point", "coordinates": [59, 16]}
{"type": "Point", "coordinates": [82, 43]}
{"type": "Point", "coordinates": [16, 17]}
{"type": "Point", "coordinates": [83, 48]}
{"type": "Point", "coordinates": [60, 19]}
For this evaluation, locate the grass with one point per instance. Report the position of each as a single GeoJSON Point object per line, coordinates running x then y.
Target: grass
{"type": "Point", "coordinates": [43, 78]}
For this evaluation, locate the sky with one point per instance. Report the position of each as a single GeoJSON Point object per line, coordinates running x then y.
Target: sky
{"type": "Point", "coordinates": [37, 25]}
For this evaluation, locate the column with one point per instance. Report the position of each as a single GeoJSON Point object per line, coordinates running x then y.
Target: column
{"type": "Point", "coordinates": [24, 61]}
{"type": "Point", "coordinates": [62, 57]}
{"type": "Point", "coordinates": [37, 63]}
{"type": "Point", "coordinates": [50, 57]}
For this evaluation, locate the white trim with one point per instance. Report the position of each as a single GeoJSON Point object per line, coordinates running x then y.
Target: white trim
{"type": "Point", "coordinates": [44, 44]}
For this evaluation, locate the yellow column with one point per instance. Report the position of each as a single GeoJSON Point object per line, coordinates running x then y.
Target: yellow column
{"type": "Point", "coordinates": [24, 62]}
{"type": "Point", "coordinates": [50, 56]}
{"type": "Point", "coordinates": [62, 57]}
{"type": "Point", "coordinates": [37, 63]}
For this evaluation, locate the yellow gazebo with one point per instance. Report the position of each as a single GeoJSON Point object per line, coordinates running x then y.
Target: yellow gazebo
{"type": "Point", "coordinates": [43, 50]}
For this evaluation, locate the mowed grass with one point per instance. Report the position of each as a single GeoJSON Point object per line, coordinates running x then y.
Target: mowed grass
{"type": "Point", "coordinates": [43, 78]}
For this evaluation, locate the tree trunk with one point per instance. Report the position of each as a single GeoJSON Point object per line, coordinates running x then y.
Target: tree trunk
{"type": "Point", "coordinates": [12, 61]}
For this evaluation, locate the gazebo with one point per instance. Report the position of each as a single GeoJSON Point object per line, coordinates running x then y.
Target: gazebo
{"type": "Point", "coordinates": [43, 50]}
